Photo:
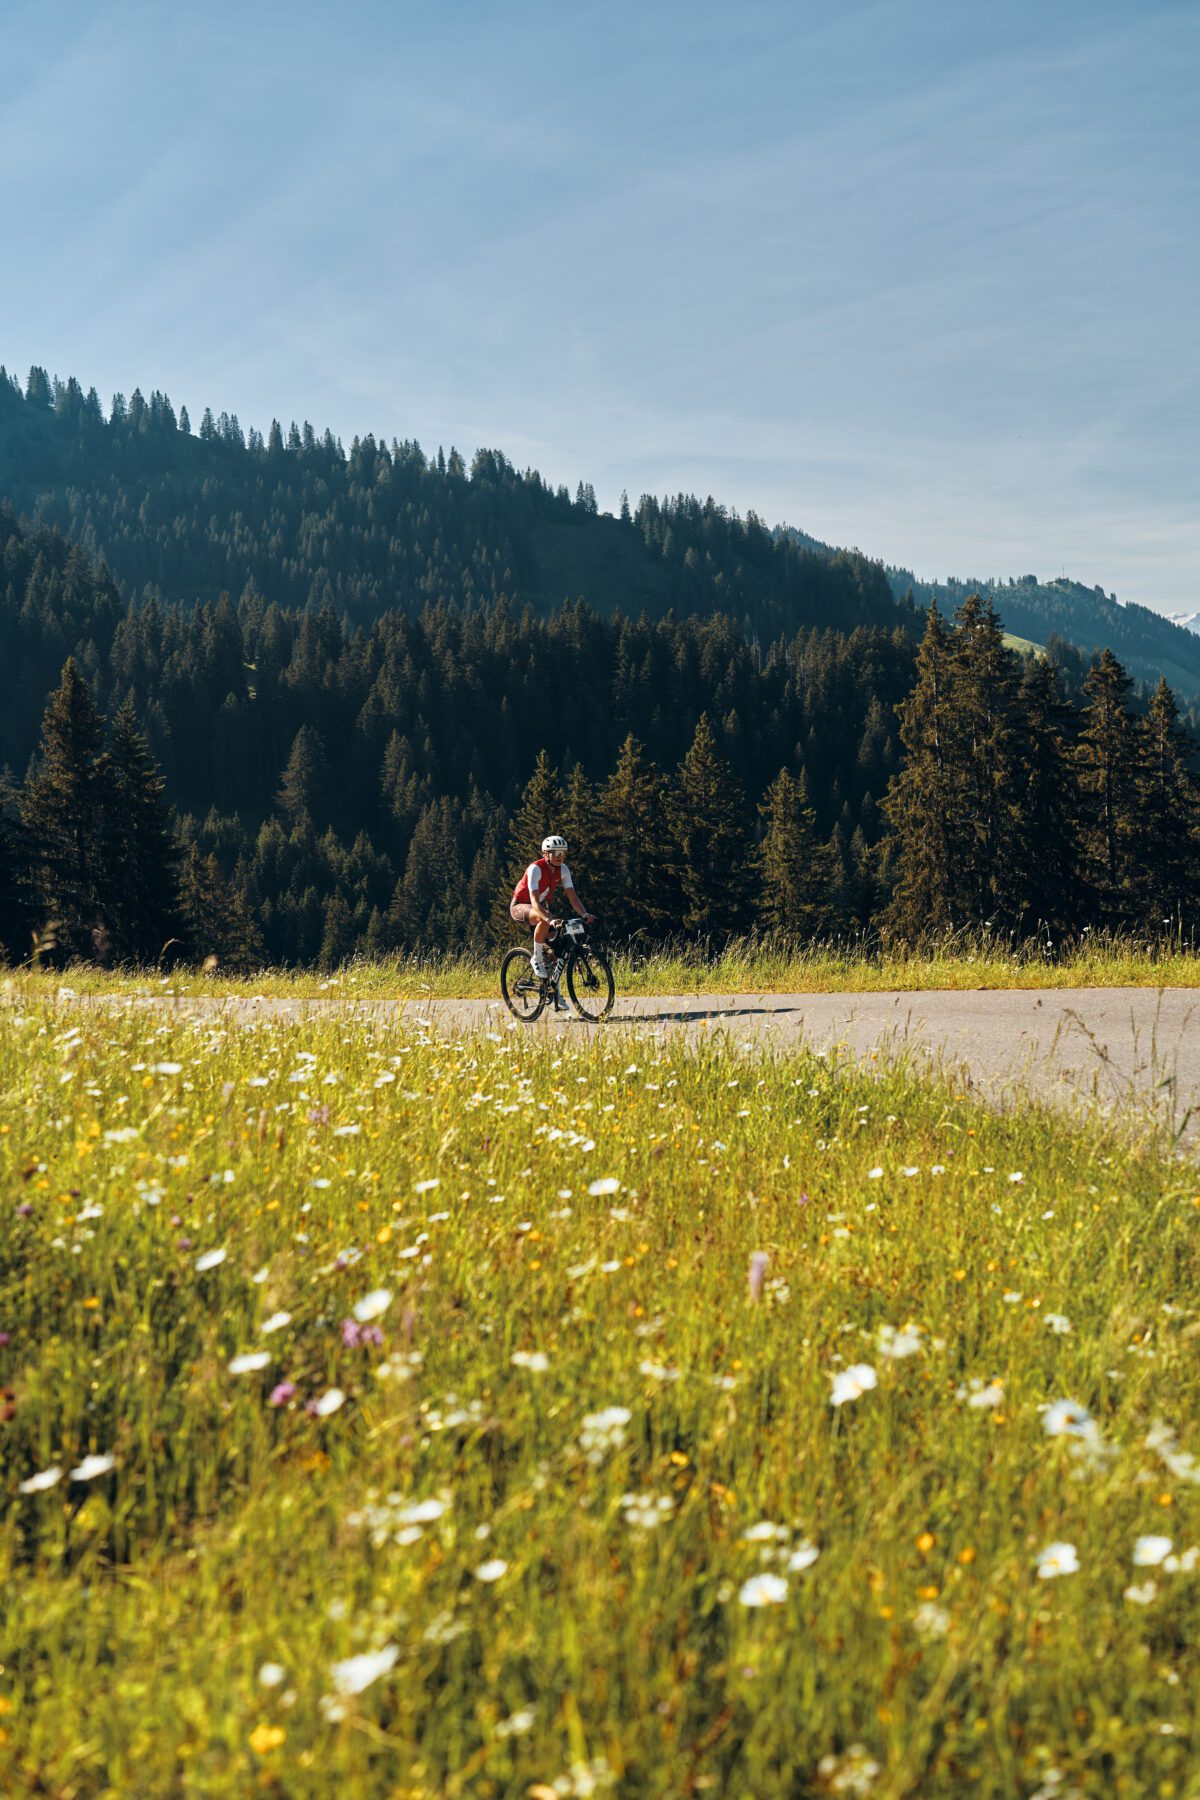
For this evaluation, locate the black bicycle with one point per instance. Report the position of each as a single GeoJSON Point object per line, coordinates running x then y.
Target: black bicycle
{"type": "Point", "coordinates": [587, 970]}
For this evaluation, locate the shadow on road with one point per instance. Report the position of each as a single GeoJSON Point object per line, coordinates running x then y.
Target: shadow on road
{"type": "Point", "coordinates": [699, 1013]}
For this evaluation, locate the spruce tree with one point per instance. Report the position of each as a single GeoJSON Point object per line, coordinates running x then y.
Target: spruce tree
{"type": "Point", "coordinates": [139, 845]}
{"type": "Point", "coordinates": [63, 810]}
{"type": "Point", "coordinates": [707, 810]}
{"type": "Point", "coordinates": [920, 802]}
{"type": "Point", "coordinates": [630, 880]}
{"type": "Point", "coordinates": [579, 821]}
{"type": "Point", "coordinates": [1168, 860]}
{"type": "Point", "coordinates": [216, 920]}
{"type": "Point", "coordinates": [429, 905]}
{"type": "Point", "coordinates": [1107, 762]}
{"type": "Point", "coordinates": [305, 788]}
{"type": "Point", "coordinates": [984, 706]}
{"type": "Point", "coordinates": [1051, 877]}
{"type": "Point", "coordinates": [337, 944]}
{"type": "Point", "coordinates": [793, 869]}
{"type": "Point", "coordinates": [18, 910]}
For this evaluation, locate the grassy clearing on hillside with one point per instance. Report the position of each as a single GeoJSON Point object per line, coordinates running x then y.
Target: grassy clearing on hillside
{"type": "Point", "coordinates": [388, 1415]}
{"type": "Point", "coordinates": [748, 966]}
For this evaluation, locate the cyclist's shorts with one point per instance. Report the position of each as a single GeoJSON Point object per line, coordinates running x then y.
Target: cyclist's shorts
{"type": "Point", "coordinates": [522, 913]}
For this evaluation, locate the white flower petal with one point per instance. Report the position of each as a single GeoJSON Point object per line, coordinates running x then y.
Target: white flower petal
{"type": "Point", "coordinates": [37, 1484]}
{"type": "Point", "coordinates": [763, 1590]}
{"type": "Point", "coordinates": [93, 1466]}
{"type": "Point", "coordinates": [373, 1305]}
{"type": "Point", "coordinates": [358, 1672]}
{"type": "Point", "coordinates": [852, 1383]}
{"type": "Point", "coordinates": [1057, 1559]}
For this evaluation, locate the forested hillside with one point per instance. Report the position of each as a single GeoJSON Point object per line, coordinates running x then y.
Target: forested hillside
{"type": "Point", "coordinates": [183, 514]}
{"type": "Point", "coordinates": [341, 787]}
{"type": "Point", "coordinates": [336, 765]}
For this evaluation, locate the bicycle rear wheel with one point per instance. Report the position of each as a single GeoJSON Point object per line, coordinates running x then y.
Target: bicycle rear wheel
{"type": "Point", "coordinates": [590, 984]}
{"type": "Point", "coordinates": [524, 994]}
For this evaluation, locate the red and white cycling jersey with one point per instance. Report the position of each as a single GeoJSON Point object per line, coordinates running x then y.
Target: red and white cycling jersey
{"type": "Point", "coordinates": [539, 882]}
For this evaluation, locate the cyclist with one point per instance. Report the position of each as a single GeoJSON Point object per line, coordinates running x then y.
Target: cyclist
{"type": "Point", "coordinates": [534, 891]}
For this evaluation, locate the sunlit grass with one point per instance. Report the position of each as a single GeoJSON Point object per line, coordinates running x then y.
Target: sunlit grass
{"type": "Point", "coordinates": [747, 966]}
{"type": "Point", "coordinates": [535, 1439]}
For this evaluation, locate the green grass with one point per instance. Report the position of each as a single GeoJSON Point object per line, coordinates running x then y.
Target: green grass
{"type": "Point", "coordinates": [747, 966]}
{"type": "Point", "coordinates": [138, 1609]}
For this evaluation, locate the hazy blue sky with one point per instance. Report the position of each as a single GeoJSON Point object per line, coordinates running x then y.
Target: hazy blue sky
{"type": "Point", "coordinates": [920, 277]}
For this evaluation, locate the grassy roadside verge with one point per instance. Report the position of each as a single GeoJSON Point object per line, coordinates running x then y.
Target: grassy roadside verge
{"type": "Point", "coordinates": [745, 968]}
{"type": "Point", "coordinates": [444, 1418]}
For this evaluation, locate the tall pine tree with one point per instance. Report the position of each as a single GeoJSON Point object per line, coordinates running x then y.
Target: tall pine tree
{"type": "Point", "coordinates": [919, 804]}
{"type": "Point", "coordinates": [138, 845]}
{"type": "Point", "coordinates": [18, 909]}
{"type": "Point", "coordinates": [1107, 762]}
{"type": "Point", "coordinates": [794, 869]}
{"type": "Point", "coordinates": [1168, 862]}
{"type": "Point", "coordinates": [1051, 881]}
{"type": "Point", "coordinates": [64, 810]}
{"type": "Point", "coordinates": [707, 810]}
{"type": "Point", "coordinates": [630, 881]}
{"type": "Point", "coordinates": [984, 705]}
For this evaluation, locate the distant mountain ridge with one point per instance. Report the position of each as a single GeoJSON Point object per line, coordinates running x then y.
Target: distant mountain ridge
{"type": "Point", "coordinates": [1148, 643]}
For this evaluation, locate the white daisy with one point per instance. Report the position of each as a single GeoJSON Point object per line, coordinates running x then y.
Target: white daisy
{"type": "Point", "coordinates": [763, 1590]}
{"type": "Point", "coordinates": [852, 1383]}
{"type": "Point", "coordinates": [37, 1484]}
{"type": "Point", "coordinates": [358, 1672]}
{"type": "Point", "coordinates": [372, 1305]}
{"type": "Point", "coordinates": [1057, 1559]}
{"type": "Point", "coordinates": [92, 1467]}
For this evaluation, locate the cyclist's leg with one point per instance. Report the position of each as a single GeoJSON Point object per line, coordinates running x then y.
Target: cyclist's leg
{"type": "Point", "coordinates": [541, 936]}
{"type": "Point", "coordinates": [524, 915]}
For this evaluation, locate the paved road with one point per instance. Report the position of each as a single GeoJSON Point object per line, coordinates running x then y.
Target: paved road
{"type": "Point", "coordinates": [1130, 1050]}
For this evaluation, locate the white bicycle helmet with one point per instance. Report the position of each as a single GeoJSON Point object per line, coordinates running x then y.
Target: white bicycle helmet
{"type": "Point", "coordinates": [552, 843]}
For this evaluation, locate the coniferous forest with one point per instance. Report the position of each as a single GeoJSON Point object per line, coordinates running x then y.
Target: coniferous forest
{"type": "Point", "coordinates": [275, 701]}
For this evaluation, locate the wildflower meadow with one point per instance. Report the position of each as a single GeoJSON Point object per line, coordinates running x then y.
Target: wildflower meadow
{"type": "Point", "coordinates": [393, 1414]}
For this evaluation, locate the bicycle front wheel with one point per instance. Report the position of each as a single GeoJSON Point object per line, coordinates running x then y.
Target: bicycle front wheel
{"type": "Point", "coordinates": [524, 994]}
{"type": "Point", "coordinates": [590, 984]}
